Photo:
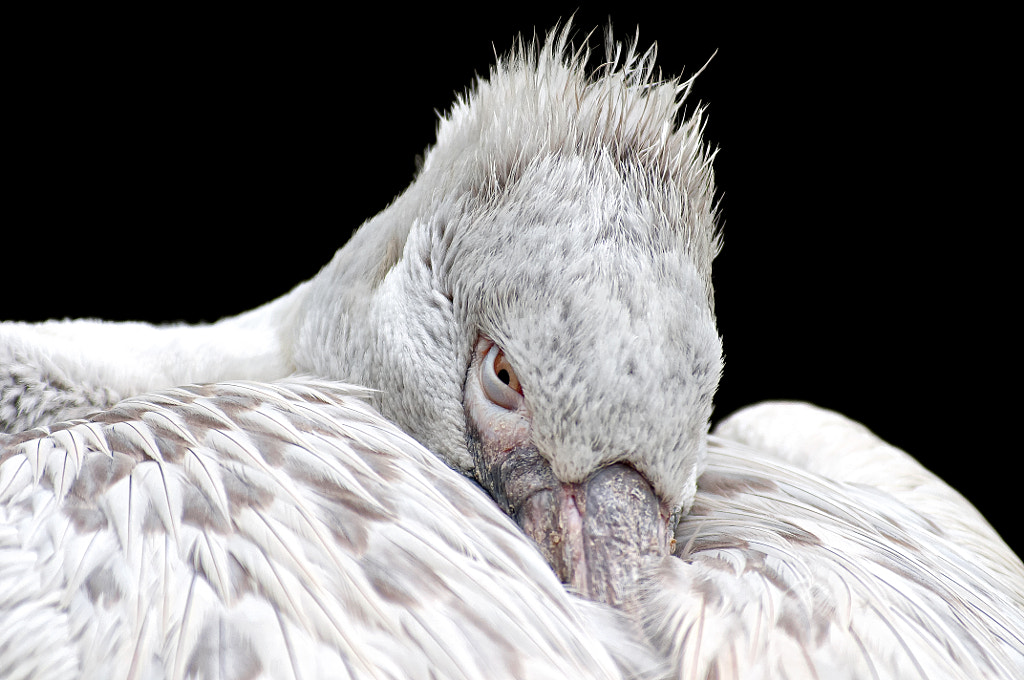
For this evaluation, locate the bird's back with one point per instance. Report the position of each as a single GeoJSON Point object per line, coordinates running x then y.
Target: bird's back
{"type": "Point", "coordinates": [784, 572]}
{"type": "Point", "coordinates": [265, 530]}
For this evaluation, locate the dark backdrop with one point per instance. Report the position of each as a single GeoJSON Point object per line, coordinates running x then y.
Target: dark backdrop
{"type": "Point", "coordinates": [174, 167]}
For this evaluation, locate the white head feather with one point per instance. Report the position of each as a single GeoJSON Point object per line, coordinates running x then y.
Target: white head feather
{"type": "Point", "coordinates": [569, 218]}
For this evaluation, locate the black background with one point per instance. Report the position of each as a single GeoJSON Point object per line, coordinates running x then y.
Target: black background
{"type": "Point", "coordinates": [189, 166]}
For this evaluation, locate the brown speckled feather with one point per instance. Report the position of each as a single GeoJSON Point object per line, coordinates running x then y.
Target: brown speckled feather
{"type": "Point", "coordinates": [781, 572]}
{"type": "Point", "coordinates": [265, 530]}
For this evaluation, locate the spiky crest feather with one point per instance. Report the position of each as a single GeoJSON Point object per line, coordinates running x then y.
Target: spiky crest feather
{"type": "Point", "coordinates": [540, 102]}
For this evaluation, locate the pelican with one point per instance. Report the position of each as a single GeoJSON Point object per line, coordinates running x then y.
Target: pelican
{"type": "Point", "coordinates": [536, 310]}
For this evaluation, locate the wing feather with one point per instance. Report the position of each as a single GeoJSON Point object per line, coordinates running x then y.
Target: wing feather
{"type": "Point", "coordinates": [246, 530]}
{"type": "Point", "coordinates": [783, 572]}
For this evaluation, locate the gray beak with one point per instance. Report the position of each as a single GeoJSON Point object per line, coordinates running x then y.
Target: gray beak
{"type": "Point", "coordinates": [597, 535]}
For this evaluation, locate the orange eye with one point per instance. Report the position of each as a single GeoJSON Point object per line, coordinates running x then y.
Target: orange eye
{"type": "Point", "coordinates": [500, 383]}
{"type": "Point", "coordinates": [504, 371]}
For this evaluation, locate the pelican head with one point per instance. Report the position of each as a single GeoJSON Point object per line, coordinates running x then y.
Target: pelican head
{"type": "Point", "coordinates": [537, 309]}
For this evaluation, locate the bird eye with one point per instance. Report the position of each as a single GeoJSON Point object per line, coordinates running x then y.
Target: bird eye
{"type": "Point", "coordinates": [501, 385]}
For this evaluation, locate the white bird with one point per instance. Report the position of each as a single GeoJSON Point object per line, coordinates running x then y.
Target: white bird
{"type": "Point", "coordinates": [537, 311]}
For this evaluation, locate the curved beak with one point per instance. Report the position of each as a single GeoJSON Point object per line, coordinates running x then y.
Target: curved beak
{"type": "Point", "coordinates": [598, 533]}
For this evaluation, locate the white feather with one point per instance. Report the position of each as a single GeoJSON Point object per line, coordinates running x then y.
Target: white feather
{"type": "Point", "coordinates": [783, 572]}
{"type": "Point", "coordinates": [349, 551]}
